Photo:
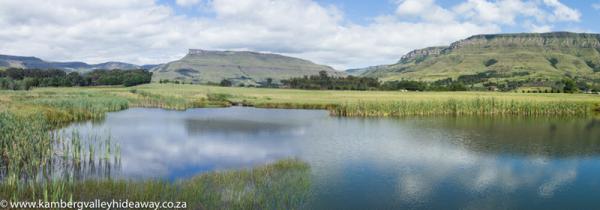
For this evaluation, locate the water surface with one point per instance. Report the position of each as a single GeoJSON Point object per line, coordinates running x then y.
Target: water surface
{"type": "Point", "coordinates": [374, 163]}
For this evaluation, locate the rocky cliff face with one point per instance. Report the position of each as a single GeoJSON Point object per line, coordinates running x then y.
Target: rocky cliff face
{"type": "Point", "coordinates": [553, 40]}
{"type": "Point", "coordinates": [549, 55]}
{"type": "Point", "coordinates": [550, 40]}
{"type": "Point", "coordinates": [422, 53]}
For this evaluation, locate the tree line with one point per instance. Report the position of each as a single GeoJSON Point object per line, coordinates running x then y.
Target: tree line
{"type": "Point", "coordinates": [24, 79]}
{"type": "Point", "coordinates": [479, 81]}
{"type": "Point", "coordinates": [325, 82]}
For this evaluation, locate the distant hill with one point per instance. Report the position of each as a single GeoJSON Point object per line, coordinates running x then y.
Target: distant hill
{"type": "Point", "coordinates": [359, 71]}
{"type": "Point", "coordinates": [149, 66]}
{"type": "Point", "coordinates": [507, 56]}
{"type": "Point", "coordinates": [8, 61]}
{"type": "Point", "coordinates": [202, 66]}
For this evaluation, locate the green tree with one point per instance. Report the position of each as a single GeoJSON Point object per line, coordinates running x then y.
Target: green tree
{"type": "Point", "coordinates": [569, 86]}
{"type": "Point", "coordinates": [269, 82]}
{"type": "Point", "coordinates": [226, 83]}
{"type": "Point", "coordinates": [553, 62]}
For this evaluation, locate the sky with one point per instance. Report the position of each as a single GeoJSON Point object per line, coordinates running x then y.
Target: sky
{"type": "Point", "coordinates": [339, 33]}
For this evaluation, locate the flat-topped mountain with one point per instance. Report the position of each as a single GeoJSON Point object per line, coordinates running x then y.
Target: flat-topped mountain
{"type": "Point", "coordinates": [240, 67]}
{"type": "Point", "coordinates": [509, 56]}
{"type": "Point", "coordinates": [28, 62]}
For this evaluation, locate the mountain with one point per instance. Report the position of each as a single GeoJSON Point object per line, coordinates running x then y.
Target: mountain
{"type": "Point", "coordinates": [202, 66]}
{"type": "Point", "coordinates": [115, 65]}
{"type": "Point", "coordinates": [359, 71]}
{"type": "Point", "coordinates": [149, 66]}
{"type": "Point", "coordinates": [22, 62]}
{"type": "Point", "coordinates": [8, 61]}
{"type": "Point", "coordinates": [521, 56]}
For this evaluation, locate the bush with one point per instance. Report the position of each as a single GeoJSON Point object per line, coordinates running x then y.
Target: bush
{"type": "Point", "coordinates": [490, 62]}
{"type": "Point", "coordinates": [225, 83]}
{"type": "Point", "coordinates": [553, 62]}
{"type": "Point", "coordinates": [570, 86]}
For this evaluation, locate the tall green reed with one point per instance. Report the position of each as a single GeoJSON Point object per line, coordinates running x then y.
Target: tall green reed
{"type": "Point", "coordinates": [477, 106]}
{"type": "Point", "coordinates": [63, 110]}
{"type": "Point", "coordinates": [34, 156]}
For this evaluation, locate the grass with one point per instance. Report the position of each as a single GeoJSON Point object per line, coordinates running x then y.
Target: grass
{"type": "Point", "coordinates": [25, 147]}
{"type": "Point", "coordinates": [475, 106]}
{"type": "Point", "coordinates": [72, 104]}
{"type": "Point", "coordinates": [30, 151]}
{"type": "Point", "coordinates": [390, 103]}
{"type": "Point", "coordinates": [281, 185]}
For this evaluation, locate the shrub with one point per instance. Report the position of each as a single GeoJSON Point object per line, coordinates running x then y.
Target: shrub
{"type": "Point", "coordinates": [490, 62]}
{"type": "Point", "coordinates": [553, 62]}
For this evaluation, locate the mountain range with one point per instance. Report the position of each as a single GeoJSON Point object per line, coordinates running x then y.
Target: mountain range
{"type": "Point", "coordinates": [11, 61]}
{"type": "Point", "coordinates": [516, 57]}
{"type": "Point", "coordinates": [198, 66]}
{"type": "Point", "coordinates": [508, 56]}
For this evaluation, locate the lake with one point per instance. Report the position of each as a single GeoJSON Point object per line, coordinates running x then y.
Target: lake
{"type": "Point", "coordinates": [373, 163]}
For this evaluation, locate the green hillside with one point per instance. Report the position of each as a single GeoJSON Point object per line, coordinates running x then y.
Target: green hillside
{"type": "Point", "coordinates": [532, 57]}
{"type": "Point", "coordinates": [200, 66]}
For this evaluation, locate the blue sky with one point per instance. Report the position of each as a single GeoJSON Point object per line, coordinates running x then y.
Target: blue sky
{"type": "Point", "coordinates": [339, 33]}
{"type": "Point", "coordinates": [364, 12]}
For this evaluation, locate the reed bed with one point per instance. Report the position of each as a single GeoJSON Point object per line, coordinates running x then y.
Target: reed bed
{"type": "Point", "coordinates": [60, 110]}
{"type": "Point", "coordinates": [292, 106]}
{"type": "Point", "coordinates": [284, 184]}
{"type": "Point", "coordinates": [340, 103]}
{"type": "Point", "coordinates": [30, 151]}
{"type": "Point", "coordinates": [476, 106]}
{"type": "Point", "coordinates": [25, 147]}
{"type": "Point", "coordinates": [153, 100]}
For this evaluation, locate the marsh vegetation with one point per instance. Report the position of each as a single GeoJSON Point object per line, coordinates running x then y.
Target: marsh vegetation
{"type": "Point", "coordinates": [38, 162]}
{"type": "Point", "coordinates": [31, 147]}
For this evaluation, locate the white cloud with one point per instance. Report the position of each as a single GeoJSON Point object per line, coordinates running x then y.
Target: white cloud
{"type": "Point", "coordinates": [498, 12]}
{"type": "Point", "coordinates": [535, 16]}
{"type": "Point", "coordinates": [141, 31]}
{"type": "Point", "coordinates": [539, 28]}
{"type": "Point", "coordinates": [186, 3]}
{"type": "Point", "coordinates": [562, 12]}
{"type": "Point", "coordinates": [596, 6]}
{"type": "Point", "coordinates": [425, 9]}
